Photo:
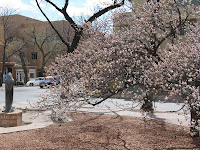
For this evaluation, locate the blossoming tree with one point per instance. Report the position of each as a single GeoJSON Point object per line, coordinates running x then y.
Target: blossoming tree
{"type": "Point", "coordinates": [178, 73]}
{"type": "Point", "coordinates": [151, 49]}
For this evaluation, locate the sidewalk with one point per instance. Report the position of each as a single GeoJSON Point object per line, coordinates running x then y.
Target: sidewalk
{"type": "Point", "coordinates": [30, 120]}
{"type": "Point", "coordinates": [36, 119]}
{"type": "Point", "coordinates": [177, 118]}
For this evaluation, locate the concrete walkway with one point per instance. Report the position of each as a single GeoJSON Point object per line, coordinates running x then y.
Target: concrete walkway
{"type": "Point", "coordinates": [35, 120]}
{"type": "Point", "coordinates": [30, 120]}
{"type": "Point", "coordinates": [177, 118]}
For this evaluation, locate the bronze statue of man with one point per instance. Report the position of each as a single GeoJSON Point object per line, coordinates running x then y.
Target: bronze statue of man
{"type": "Point", "coordinates": [9, 82]}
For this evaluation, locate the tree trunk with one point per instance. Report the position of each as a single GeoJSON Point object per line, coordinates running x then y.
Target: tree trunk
{"type": "Point", "coordinates": [148, 102]}
{"type": "Point", "coordinates": [43, 64]}
{"type": "Point", "coordinates": [3, 68]}
{"type": "Point", "coordinates": [1, 79]}
{"type": "Point", "coordinates": [195, 117]}
{"type": "Point", "coordinates": [42, 71]}
{"type": "Point", "coordinates": [3, 64]}
{"type": "Point", "coordinates": [76, 40]}
{"type": "Point", "coordinates": [24, 67]}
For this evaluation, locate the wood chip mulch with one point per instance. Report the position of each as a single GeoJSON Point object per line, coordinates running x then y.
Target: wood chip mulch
{"type": "Point", "coordinates": [100, 132]}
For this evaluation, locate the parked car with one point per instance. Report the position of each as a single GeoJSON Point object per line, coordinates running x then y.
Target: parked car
{"type": "Point", "coordinates": [35, 82]}
{"type": "Point", "coordinates": [49, 81]}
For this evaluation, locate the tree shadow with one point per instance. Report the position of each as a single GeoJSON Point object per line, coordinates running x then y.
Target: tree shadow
{"type": "Point", "coordinates": [196, 141]}
{"type": "Point", "coordinates": [161, 120]}
{"type": "Point", "coordinates": [98, 115]}
{"type": "Point", "coordinates": [153, 116]}
{"type": "Point", "coordinates": [178, 148]}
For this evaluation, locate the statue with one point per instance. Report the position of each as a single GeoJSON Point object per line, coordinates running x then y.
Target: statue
{"type": "Point", "coordinates": [9, 93]}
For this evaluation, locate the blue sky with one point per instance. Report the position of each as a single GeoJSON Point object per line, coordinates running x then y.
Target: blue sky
{"type": "Point", "coordinates": [76, 7]}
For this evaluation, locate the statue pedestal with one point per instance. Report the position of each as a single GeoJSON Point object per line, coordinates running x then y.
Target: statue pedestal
{"type": "Point", "coordinates": [11, 119]}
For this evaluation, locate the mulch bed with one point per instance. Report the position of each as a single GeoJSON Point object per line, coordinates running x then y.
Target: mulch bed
{"type": "Point", "coordinates": [100, 132]}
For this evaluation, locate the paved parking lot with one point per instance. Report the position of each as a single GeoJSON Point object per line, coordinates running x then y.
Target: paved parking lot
{"type": "Point", "coordinates": [22, 95]}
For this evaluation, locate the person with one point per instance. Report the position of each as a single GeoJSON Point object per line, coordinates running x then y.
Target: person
{"type": "Point", "coordinates": [5, 76]}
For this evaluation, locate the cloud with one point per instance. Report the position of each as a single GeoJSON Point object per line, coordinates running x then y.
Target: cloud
{"type": "Point", "coordinates": [75, 8]}
{"type": "Point", "coordinates": [102, 3]}
{"type": "Point", "coordinates": [74, 11]}
{"type": "Point", "coordinates": [19, 5]}
{"type": "Point", "coordinates": [33, 3]}
{"type": "Point", "coordinates": [15, 4]}
{"type": "Point", "coordinates": [88, 8]}
{"type": "Point", "coordinates": [52, 8]}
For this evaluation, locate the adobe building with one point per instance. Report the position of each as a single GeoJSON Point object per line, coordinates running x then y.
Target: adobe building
{"type": "Point", "coordinates": [122, 23]}
{"type": "Point", "coordinates": [22, 28]}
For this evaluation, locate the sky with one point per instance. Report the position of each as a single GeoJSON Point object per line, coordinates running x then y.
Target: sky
{"type": "Point", "coordinates": [76, 7]}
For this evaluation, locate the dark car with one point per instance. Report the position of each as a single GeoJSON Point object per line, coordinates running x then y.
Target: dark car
{"type": "Point", "coordinates": [49, 81]}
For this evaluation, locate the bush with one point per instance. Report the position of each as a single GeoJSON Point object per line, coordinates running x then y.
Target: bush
{"type": "Point", "coordinates": [19, 83]}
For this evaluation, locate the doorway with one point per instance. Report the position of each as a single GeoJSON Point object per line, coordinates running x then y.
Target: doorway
{"type": "Point", "coordinates": [20, 75]}
{"type": "Point", "coordinates": [32, 74]}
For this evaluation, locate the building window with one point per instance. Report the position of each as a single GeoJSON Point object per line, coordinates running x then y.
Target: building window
{"type": "Point", "coordinates": [32, 74]}
{"type": "Point", "coordinates": [34, 55]}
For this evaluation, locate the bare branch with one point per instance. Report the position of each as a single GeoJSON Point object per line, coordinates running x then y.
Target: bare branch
{"type": "Point", "coordinates": [103, 11]}
{"type": "Point", "coordinates": [66, 5]}
{"type": "Point", "coordinates": [106, 97]}
{"type": "Point", "coordinates": [54, 5]}
{"type": "Point", "coordinates": [77, 29]}
{"type": "Point", "coordinates": [15, 51]}
{"type": "Point", "coordinates": [65, 14]}
{"type": "Point", "coordinates": [59, 35]}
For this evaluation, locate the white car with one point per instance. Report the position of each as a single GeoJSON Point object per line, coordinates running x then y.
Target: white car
{"type": "Point", "coordinates": [34, 82]}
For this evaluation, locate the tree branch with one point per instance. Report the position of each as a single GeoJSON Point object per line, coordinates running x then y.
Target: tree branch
{"type": "Point", "coordinates": [65, 14]}
{"type": "Point", "coordinates": [54, 5]}
{"type": "Point", "coordinates": [59, 35]}
{"type": "Point", "coordinates": [171, 33]}
{"type": "Point", "coordinates": [108, 96]}
{"type": "Point", "coordinates": [78, 30]}
{"type": "Point", "coordinates": [14, 52]}
{"type": "Point", "coordinates": [66, 5]}
{"type": "Point", "coordinates": [103, 11]}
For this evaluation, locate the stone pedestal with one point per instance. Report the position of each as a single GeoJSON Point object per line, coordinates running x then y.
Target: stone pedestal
{"type": "Point", "coordinates": [11, 119]}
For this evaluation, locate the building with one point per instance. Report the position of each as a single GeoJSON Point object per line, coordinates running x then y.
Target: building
{"type": "Point", "coordinates": [124, 21]}
{"type": "Point", "coordinates": [23, 31]}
